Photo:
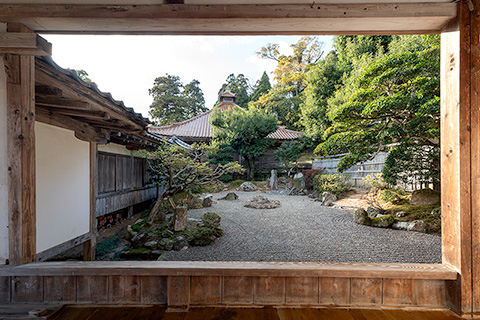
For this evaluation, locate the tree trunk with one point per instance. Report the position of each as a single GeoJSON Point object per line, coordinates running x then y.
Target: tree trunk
{"type": "Point", "coordinates": [250, 163]}
{"type": "Point", "coordinates": [155, 213]}
{"type": "Point", "coordinates": [180, 219]}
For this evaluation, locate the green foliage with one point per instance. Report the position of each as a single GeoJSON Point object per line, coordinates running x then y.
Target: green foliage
{"type": "Point", "coordinates": [83, 75]}
{"type": "Point", "coordinates": [226, 177]}
{"type": "Point", "coordinates": [394, 99]}
{"type": "Point", "coordinates": [174, 102]}
{"type": "Point", "coordinates": [376, 181]}
{"type": "Point", "coordinates": [236, 183]}
{"type": "Point", "coordinates": [289, 152]}
{"type": "Point", "coordinates": [392, 195]}
{"type": "Point", "coordinates": [207, 232]}
{"type": "Point", "coordinates": [245, 131]}
{"type": "Point", "coordinates": [238, 84]}
{"type": "Point", "coordinates": [222, 153]}
{"type": "Point", "coordinates": [334, 183]}
{"type": "Point", "coordinates": [212, 220]}
{"type": "Point", "coordinates": [261, 87]}
{"type": "Point", "coordinates": [107, 246]}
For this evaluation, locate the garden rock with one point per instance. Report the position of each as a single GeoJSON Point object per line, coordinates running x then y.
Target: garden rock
{"type": "Point", "coordinates": [196, 203]}
{"type": "Point", "coordinates": [261, 202]}
{"type": "Point", "coordinates": [292, 191]}
{"type": "Point", "coordinates": [130, 234]}
{"type": "Point", "coordinates": [207, 200]}
{"type": "Point", "coordinates": [372, 212]}
{"type": "Point", "coordinates": [384, 221]}
{"type": "Point", "coordinates": [139, 239]}
{"type": "Point", "coordinates": [425, 197]}
{"type": "Point", "coordinates": [361, 217]}
{"type": "Point", "coordinates": [180, 219]}
{"type": "Point", "coordinates": [419, 226]}
{"type": "Point", "coordinates": [152, 245]}
{"type": "Point", "coordinates": [401, 214]}
{"type": "Point", "coordinates": [284, 183]}
{"type": "Point", "coordinates": [230, 196]}
{"type": "Point", "coordinates": [248, 186]}
{"type": "Point", "coordinates": [401, 225]}
{"type": "Point", "coordinates": [273, 181]}
{"type": "Point", "coordinates": [328, 198]}
{"type": "Point", "coordinates": [166, 244]}
{"type": "Point", "coordinates": [180, 243]}
{"type": "Point", "coordinates": [436, 213]}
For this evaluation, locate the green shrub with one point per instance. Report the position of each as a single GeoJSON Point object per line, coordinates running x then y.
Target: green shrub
{"type": "Point", "coordinates": [201, 236]}
{"type": "Point", "coordinates": [212, 220]}
{"type": "Point", "coordinates": [334, 183]}
{"type": "Point", "coordinates": [226, 178]}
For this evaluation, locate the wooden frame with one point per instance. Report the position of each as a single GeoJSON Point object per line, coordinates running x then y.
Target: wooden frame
{"type": "Point", "coordinates": [460, 154]}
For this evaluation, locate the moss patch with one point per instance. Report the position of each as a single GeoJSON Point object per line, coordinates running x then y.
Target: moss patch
{"type": "Point", "coordinates": [414, 212]}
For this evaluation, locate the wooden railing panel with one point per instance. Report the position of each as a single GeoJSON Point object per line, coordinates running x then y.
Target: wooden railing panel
{"type": "Point", "coordinates": [398, 292]}
{"type": "Point", "coordinates": [60, 289]}
{"type": "Point", "coordinates": [366, 291]}
{"type": "Point", "coordinates": [300, 291]}
{"type": "Point", "coordinates": [334, 291]}
{"type": "Point", "coordinates": [124, 289]}
{"type": "Point", "coordinates": [5, 290]}
{"type": "Point", "coordinates": [206, 290]}
{"type": "Point", "coordinates": [238, 290]}
{"type": "Point", "coordinates": [429, 293]}
{"type": "Point", "coordinates": [269, 290]}
{"type": "Point", "coordinates": [92, 289]}
{"type": "Point", "coordinates": [153, 289]}
{"type": "Point", "coordinates": [178, 289]}
{"type": "Point", "coordinates": [27, 289]}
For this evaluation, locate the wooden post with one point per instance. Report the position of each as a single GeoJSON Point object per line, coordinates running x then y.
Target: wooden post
{"type": "Point", "coordinates": [460, 148]}
{"type": "Point", "coordinates": [21, 154]}
{"type": "Point", "coordinates": [89, 247]}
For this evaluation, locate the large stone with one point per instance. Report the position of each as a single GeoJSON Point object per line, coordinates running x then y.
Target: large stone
{"type": "Point", "coordinates": [196, 203]}
{"type": "Point", "coordinates": [401, 225]}
{"type": "Point", "coordinates": [230, 196]}
{"type": "Point", "coordinates": [373, 212]}
{"type": "Point", "coordinates": [139, 239]}
{"type": "Point", "coordinates": [261, 202]}
{"type": "Point", "coordinates": [152, 245]}
{"type": "Point", "coordinates": [248, 186]}
{"type": "Point", "coordinates": [130, 233]}
{"type": "Point", "coordinates": [292, 191]}
{"type": "Point", "coordinates": [418, 226]}
{"type": "Point", "coordinates": [166, 244]}
{"type": "Point", "coordinates": [273, 181]}
{"type": "Point", "coordinates": [361, 217]}
{"type": "Point", "coordinates": [328, 198]}
{"type": "Point", "coordinates": [180, 243]}
{"type": "Point", "coordinates": [180, 219]}
{"type": "Point", "coordinates": [384, 221]}
{"type": "Point", "coordinates": [425, 197]}
{"type": "Point", "coordinates": [401, 214]}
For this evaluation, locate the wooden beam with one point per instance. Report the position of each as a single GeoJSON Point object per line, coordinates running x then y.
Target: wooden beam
{"type": "Point", "coordinates": [47, 90]}
{"type": "Point", "coordinates": [54, 101]}
{"type": "Point", "coordinates": [49, 253]}
{"type": "Point", "coordinates": [89, 248]}
{"type": "Point", "coordinates": [83, 131]}
{"type": "Point", "coordinates": [378, 18]}
{"type": "Point", "coordinates": [30, 44]}
{"type": "Point", "coordinates": [87, 114]}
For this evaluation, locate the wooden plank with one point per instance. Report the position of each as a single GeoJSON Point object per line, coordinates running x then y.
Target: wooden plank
{"type": "Point", "coordinates": [59, 289]}
{"type": "Point", "coordinates": [456, 155]}
{"type": "Point", "coordinates": [21, 155]}
{"type": "Point", "coordinates": [429, 293]}
{"type": "Point", "coordinates": [269, 290]}
{"type": "Point", "coordinates": [153, 290]}
{"type": "Point", "coordinates": [5, 283]}
{"type": "Point", "coordinates": [365, 291]}
{"type": "Point", "coordinates": [178, 292]}
{"type": "Point", "coordinates": [27, 289]}
{"type": "Point", "coordinates": [238, 290]}
{"type": "Point", "coordinates": [475, 161]}
{"type": "Point", "coordinates": [334, 291]}
{"type": "Point", "coordinates": [92, 289]}
{"type": "Point", "coordinates": [29, 44]}
{"type": "Point", "coordinates": [84, 114]}
{"type": "Point", "coordinates": [51, 252]}
{"type": "Point", "coordinates": [205, 290]}
{"type": "Point", "coordinates": [89, 249]}
{"type": "Point", "coordinates": [61, 102]}
{"type": "Point", "coordinates": [124, 289]}
{"type": "Point", "coordinates": [301, 290]}
{"type": "Point", "coordinates": [397, 292]}
{"type": "Point", "coordinates": [379, 18]}
{"type": "Point", "coordinates": [235, 268]}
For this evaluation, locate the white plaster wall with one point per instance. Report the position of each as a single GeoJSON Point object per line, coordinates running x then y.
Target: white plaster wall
{"type": "Point", "coordinates": [63, 191]}
{"type": "Point", "coordinates": [3, 165]}
{"type": "Point", "coordinates": [114, 148]}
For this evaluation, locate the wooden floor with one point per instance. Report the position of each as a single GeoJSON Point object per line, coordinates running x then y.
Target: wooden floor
{"type": "Point", "coordinates": [155, 312]}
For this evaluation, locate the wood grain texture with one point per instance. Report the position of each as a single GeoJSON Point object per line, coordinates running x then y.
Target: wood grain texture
{"type": "Point", "coordinates": [154, 290]}
{"type": "Point", "coordinates": [334, 291]}
{"type": "Point", "coordinates": [300, 291]}
{"type": "Point", "coordinates": [429, 293]}
{"type": "Point", "coordinates": [269, 290]}
{"type": "Point", "coordinates": [237, 290]}
{"type": "Point", "coordinates": [59, 289]}
{"type": "Point", "coordinates": [27, 289]}
{"type": "Point", "coordinates": [366, 291]}
{"type": "Point", "coordinates": [5, 283]}
{"type": "Point", "coordinates": [28, 44]}
{"type": "Point", "coordinates": [92, 289]}
{"type": "Point", "coordinates": [178, 292]}
{"type": "Point", "coordinates": [397, 292]}
{"type": "Point", "coordinates": [205, 290]}
{"type": "Point", "coordinates": [124, 289]}
{"type": "Point", "coordinates": [89, 248]}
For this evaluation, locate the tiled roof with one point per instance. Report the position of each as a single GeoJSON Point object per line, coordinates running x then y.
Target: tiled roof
{"type": "Point", "coordinates": [200, 127]}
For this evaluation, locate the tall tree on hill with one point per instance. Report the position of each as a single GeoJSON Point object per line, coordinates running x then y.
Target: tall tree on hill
{"type": "Point", "coordinates": [245, 131]}
{"type": "Point", "coordinates": [261, 87]}
{"type": "Point", "coordinates": [284, 98]}
{"type": "Point", "coordinates": [239, 85]}
{"type": "Point", "coordinates": [174, 102]}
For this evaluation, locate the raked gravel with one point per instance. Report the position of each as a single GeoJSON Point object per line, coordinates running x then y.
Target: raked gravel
{"type": "Point", "coordinates": [304, 230]}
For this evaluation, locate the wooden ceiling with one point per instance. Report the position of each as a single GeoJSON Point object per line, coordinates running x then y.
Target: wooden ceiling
{"type": "Point", "coordinates": [224, 17]}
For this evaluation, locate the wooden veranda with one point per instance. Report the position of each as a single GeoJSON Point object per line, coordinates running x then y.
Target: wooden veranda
{"type": "Point", "coordinates": [454, 284]}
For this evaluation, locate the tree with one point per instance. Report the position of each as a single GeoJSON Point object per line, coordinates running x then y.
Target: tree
{"type": "Point", "coordinates": [261, 87]}
{"type": "Point", "coordinates": [284, 99]}
{"type": "Point", "coordinates": [177, 168]}
{"type": "Point", "coordinates": [395, 101]}
{"type": "Point", "coordinates": [288, 153]}
{"type": "Point", "coordinates": [174, 102]}
{"type": "Point", "coordinates": [240, 85]}
{"type": "Point", "coordinates": [245, 131]}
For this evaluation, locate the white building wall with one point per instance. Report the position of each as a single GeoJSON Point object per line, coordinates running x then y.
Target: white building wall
{"type": "Point", "coordinates": [114, 148]}
{"type": "Point", "coordinates": [3, 165]}
{"type": "Point", "coordinates": [63, 191]}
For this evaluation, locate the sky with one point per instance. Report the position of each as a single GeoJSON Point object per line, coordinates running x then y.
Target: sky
{"type": "Point", "coordinates": [126, 66]}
